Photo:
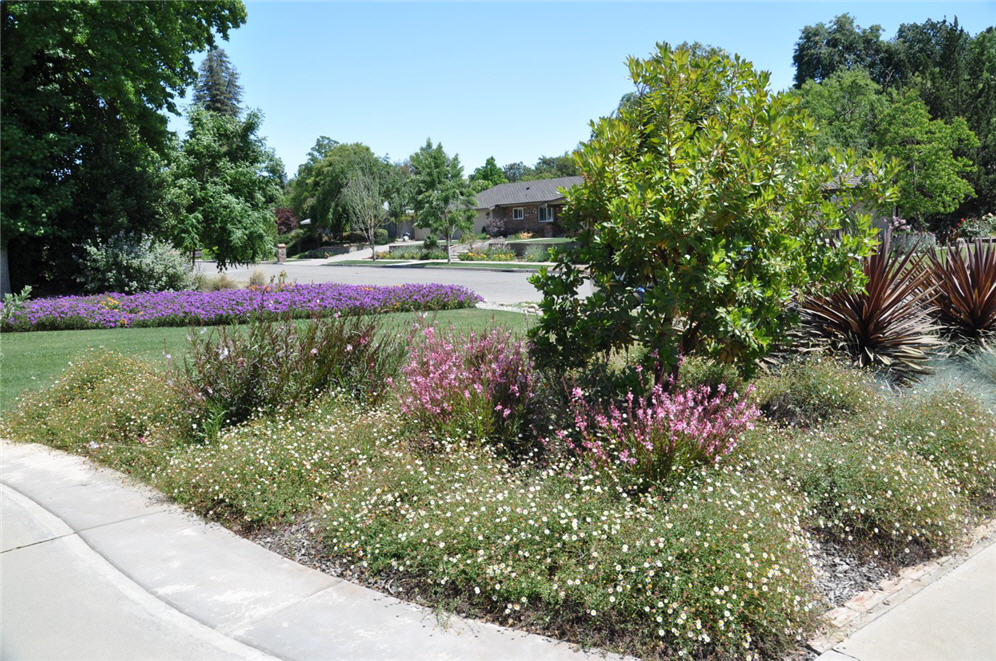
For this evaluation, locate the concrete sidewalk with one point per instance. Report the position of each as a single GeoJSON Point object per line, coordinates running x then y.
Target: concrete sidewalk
{"type": "Point", "coordinates": [94, 566]}
{"type": "Point", "coordinates": [950, 619]}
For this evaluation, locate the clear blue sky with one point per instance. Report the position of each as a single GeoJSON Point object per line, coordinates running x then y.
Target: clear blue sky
{"type": "Point", "coordinates": [515, 80]}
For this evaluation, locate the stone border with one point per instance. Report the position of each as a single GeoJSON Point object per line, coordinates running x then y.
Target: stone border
{"type": "Point", "coordinates": [842, 621]}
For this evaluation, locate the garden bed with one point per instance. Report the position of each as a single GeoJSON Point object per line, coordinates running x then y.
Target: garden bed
{"type": "Point", "coordinates": [419, 483]}
{"type": "Point", "coordinates": [195, 308]}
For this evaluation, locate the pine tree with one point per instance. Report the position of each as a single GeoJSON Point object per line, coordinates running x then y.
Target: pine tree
{"type": "Point", "coordinates": [218, 88]}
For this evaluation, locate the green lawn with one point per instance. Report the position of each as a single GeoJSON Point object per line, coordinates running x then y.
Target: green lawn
{"type": "Point", "coordinates": [30, 361]}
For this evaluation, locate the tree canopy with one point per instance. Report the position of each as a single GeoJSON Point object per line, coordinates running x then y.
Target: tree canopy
{"type": "Point", "coordinates": [218, 88]}
{"type": "Point", "coordinates": [702, 213]}
{"type": "Point", "coordinates": [317, 190]}
{"type": "Point", "coordinates": [952, 73]}
{"type": "Point", "coordinates": [225, 185]}
{"type": "Point", "coordinates": [442, 199]}
{"type": "Point", "coordinates": [547, 167]}
{"type": "Point", "coordinates": [852, 111]}
{"type": "Point", "coordinates": [84, 86]}
{"type": "Point", "coordinates": [487, 176]}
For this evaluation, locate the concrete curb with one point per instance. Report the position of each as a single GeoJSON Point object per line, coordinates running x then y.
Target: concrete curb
{"type": "Point", "coordinates": [213, 584]}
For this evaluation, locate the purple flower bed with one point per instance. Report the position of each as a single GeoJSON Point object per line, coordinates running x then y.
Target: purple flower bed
{"type": "Point", "coordinates": [186, 308]}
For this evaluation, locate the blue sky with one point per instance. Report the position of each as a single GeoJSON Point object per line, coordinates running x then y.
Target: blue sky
{"type": "Point", "coordinates": [515, 80]}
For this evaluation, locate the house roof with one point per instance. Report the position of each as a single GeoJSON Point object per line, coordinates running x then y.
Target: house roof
{"type": "Point", "coordinates": [525, 192]}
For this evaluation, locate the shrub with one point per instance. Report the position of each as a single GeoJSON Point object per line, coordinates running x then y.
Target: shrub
{"type": "Point", "coordinates": [886, 325]}
{"type": "Point", "coordinates": [721, 571]}
{"type": "Point", "coordinates": [909, 241]}
{"type": "Point", "coordinates": [233, 373]}
{"type": "Point", "coordinates": [129, 264]}
{"type": "Point", "coordinates": [865, 492]}
{"type": "Point", "coordinates": [113, 408]}
{"type": "Point", "coordinates": [964, 289]}
{"type": "Point", "coordinates": [639, 443]}
{"type": "Point", "coordinates": [381, 236]}
{"type": "Point", "coordinates": [476, 385]}
{"type": "Point", "coordinates": [436, 253]}
{"type": "Point", "coordinates": [702, 263]}
{"type": "Point", "coordinates": [815, 392]}
{"type": "Point", "coordinates": [978, 228]}
{"type": "Point", "coordinates": [430, 242]}
{"type": "Point", "coordinates": [298, 457]}
{"type": "Point", "coordinates": [696, 372]}
{"type": "Point", "coordinates": [13, 305]}
{"type": "Point", "coordinates": [490, 254]}
{"type": "Point", "coordinates": [354, 237]}
{"type": "Point", "coordinates": [951, 430]}
{"type": "Point", "coordinates": [537, 254]}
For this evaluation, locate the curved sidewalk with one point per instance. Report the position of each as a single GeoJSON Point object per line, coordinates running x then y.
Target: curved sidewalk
{"type": "Point", "coordinates": [96, 567]}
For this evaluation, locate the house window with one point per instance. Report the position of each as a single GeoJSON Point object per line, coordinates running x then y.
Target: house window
{"type": "Point", "coordinates": [517, 213]}
{"type": "Point", "coordinates": [545, 215]}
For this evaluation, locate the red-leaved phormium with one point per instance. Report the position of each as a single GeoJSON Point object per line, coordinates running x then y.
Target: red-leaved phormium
{"type": "Point", "coordinates": [646, 437]}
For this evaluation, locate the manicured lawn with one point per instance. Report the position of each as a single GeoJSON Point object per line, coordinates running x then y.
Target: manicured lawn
{"type": "Point", "coordinates": [32, 360]}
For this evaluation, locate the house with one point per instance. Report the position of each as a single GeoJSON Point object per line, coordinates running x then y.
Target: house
{"type": "Point", "coordinates": [523, 206]}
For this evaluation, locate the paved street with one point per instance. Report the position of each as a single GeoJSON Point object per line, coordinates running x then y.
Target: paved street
{"type": "Point", "coordinates": [497, 287]}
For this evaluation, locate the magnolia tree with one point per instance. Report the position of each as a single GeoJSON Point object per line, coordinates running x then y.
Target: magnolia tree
{"type": "Point", "coordinates": [701, 215]}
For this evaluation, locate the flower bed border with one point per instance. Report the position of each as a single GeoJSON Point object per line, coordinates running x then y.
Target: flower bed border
{"type": "Point", "coordinates": [188, 307]}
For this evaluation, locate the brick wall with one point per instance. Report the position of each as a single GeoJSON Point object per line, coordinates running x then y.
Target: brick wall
{"type": "Point", "coordinates": [530, 221]}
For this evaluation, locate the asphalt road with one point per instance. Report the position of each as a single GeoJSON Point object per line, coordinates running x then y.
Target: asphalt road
{"type": "Point", "coordinates": [497, 287]}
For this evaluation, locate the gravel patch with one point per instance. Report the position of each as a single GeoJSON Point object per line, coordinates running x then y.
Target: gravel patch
{"type": "Point", "coordinates": [841, 574]}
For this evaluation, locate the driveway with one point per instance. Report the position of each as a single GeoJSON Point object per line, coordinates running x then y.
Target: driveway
{"type": "Point", "coordinates": [497, 287]}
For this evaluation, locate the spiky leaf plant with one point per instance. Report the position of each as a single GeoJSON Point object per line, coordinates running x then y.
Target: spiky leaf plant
{"type": "Point", "coordinates": [964, 289]}
{"type": "Point", "coordinates": [887, 324]}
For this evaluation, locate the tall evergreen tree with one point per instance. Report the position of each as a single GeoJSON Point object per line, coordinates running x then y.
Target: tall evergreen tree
{"type": "Point", "coordinates": [218, 88]}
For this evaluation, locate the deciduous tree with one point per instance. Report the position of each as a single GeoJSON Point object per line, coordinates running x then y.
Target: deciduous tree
{"type": "Point", "coordinates": [852, 111]}
{"type": "Point", "coordinates": [83, 88]}
{"type": "Point", "coordinates": [366, 202]}
{"type": "Point", "coordinates": [225, 185]}
{"type": "Point", "coordinates": [442, 199]}
{"type": "Point", "coordinates": [487, 176]}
